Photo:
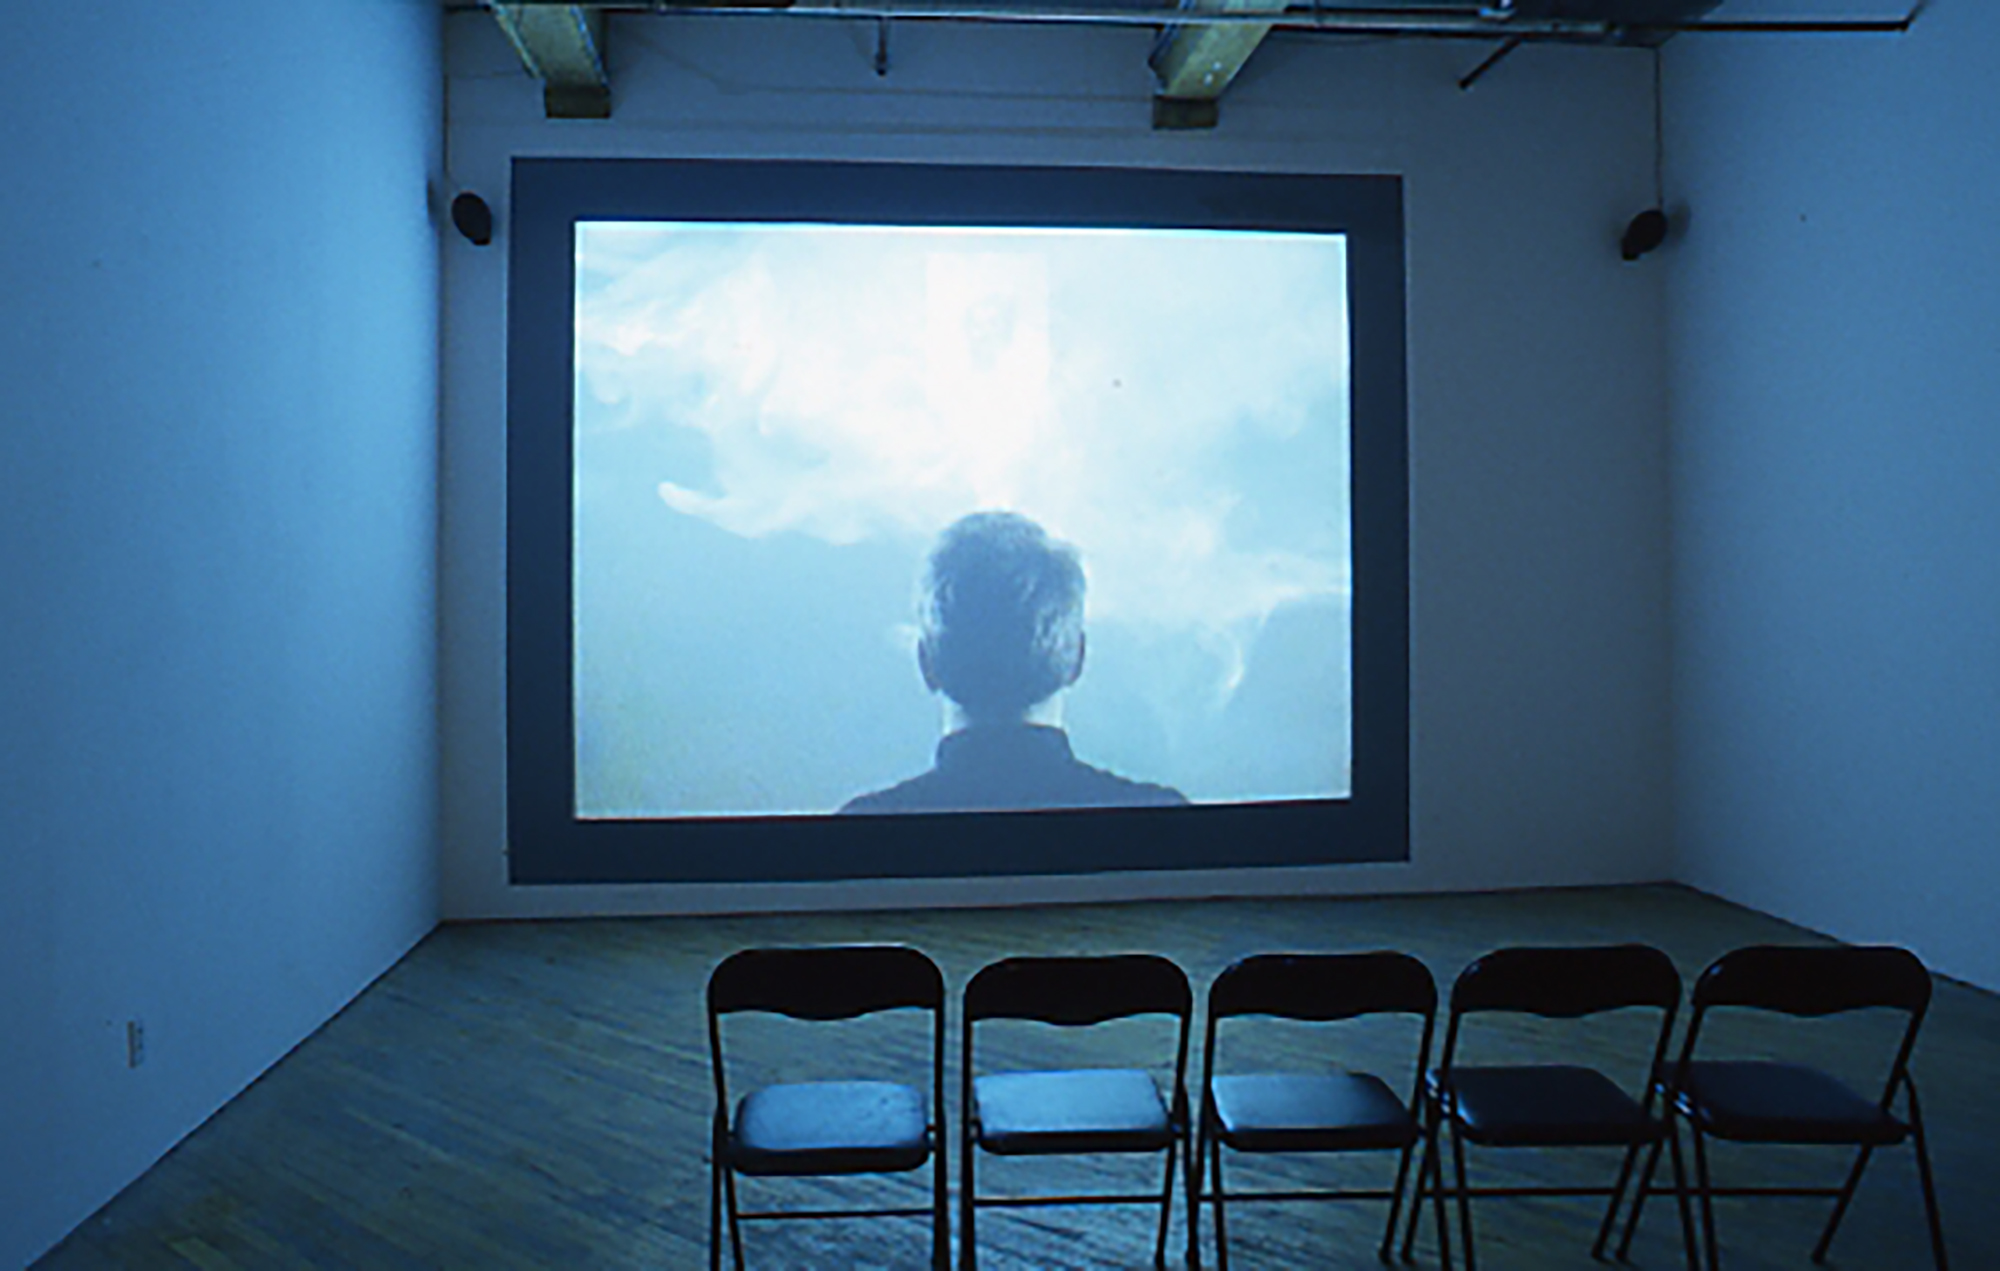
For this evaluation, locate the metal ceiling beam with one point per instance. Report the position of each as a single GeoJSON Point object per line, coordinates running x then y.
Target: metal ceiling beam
{"type": "Point", "coordinates": [562, 45]}
{"type": "Point", "coordinates": [1194, 64]}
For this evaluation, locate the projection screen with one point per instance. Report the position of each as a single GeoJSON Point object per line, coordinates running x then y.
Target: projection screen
{"type": "Point", "coordinates": [1057, 515]}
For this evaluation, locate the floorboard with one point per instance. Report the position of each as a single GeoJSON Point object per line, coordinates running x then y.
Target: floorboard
{"type": "Point", "coordinates": [532, 1095]}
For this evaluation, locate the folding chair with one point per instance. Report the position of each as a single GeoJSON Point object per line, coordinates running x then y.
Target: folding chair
{"type": "Point", "coordinates": [1262, 1112]}
{"type": "Point", "coordinates": [1549, 1105]}
{"type": "Point", "coordinates": [1078, 1111]}
{"type": "Point", "coordinates": [1761, 1101]}
{"type": "Point", "coordinates": [820, 1128]}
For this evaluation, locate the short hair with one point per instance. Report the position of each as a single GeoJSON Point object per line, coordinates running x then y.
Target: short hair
{"type": "Point", "coordinates": [1002, 613]}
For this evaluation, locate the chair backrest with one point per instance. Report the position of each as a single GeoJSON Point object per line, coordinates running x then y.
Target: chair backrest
{"type": "Point", "coordinates": [1079, 990]}
{"type": "Point", "coordinates": [1816, 980]}
{"type": "Point", "coordinates": [1323, 986]}
{"type": "Point", "coordinates": [1813, 981]}
{"type": "Point", "coordinates": [1075, 992]}
{"type": "Point", "coordinates": [1565, 983]}
{"type": "Point", "coordinates": [1568, 983]}
{"type": "Point", "coordinates": [826, 982]}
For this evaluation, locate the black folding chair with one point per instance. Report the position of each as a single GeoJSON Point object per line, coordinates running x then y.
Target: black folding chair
{"type": "Point", "coordinates": [1549, 1105]}
{"type": "Point", "coordinates": [1762, 1101]}
{"type": "Point", "coordinates": [1078, 1111]}
{"type": "Point", "coordinates": [1258, 1112]}
{"type": "Point", "coordinates": [820, 1128]}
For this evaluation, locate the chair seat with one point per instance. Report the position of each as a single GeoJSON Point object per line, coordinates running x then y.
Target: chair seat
{"type": "Point", "coordinates": [1762, 1102]}
{"type": "Point", "coordinates": [831, 1127]}
{"type": "Point", "coordinates": [1085, 1110]}
{"type": "Point", "coordinates": [1546, 1105]}
{"type": "Point", "coordinates": [1319, 1112]}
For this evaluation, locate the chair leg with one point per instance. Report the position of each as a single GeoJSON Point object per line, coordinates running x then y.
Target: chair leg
{"type": "Point", "coordinates": [1840, 1203]}
{"type": "Point", "coordinates": [940, 1209]}
{"type": "Point", "coordinates": [715, 1212]}
{"type": "Point", "coordinates": [1426, 1166]}
{"type": "Point", "coordinates": [1424, 1162]}
{"type": "Point", "coordinates": [1704, 1189]}
{"type": "Point", "coordinates": [1396, 1201]}
{"type": "Point", "coordinates": [735, 1224]}
{"type": "Point", "coordinates": [1437, 1207]}
{"type": "Point", "coordinates": [1924, 1177]}
{"type": "Point", "coordinates": [1196, 1161]}
{"type": "Point", "coordinates": [1464, 1194]}
{"type": "Point", "coordinates": [968, 1202]}
{"type": "Point", "coordinates": [1617, 1198]}
{"type": "Point", "coordinates": [1431, 1167]}
{"type": "Point", "coordinates": [1681, 1200]}
{"type": "Point", "coordinates": [1645, 1189]}
{"type": "Point", "coordinates": [1221, 1217]}
{"type": "Point", "coordinates": [1174, 1147]}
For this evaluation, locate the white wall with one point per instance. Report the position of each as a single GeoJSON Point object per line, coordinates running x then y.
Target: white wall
{"type": "Point", "coordinates": [1539, 543]}
{"type": "Point", "coordinates": [218, 341]}
{"type": "Point", "coordinates": [1835, 370]}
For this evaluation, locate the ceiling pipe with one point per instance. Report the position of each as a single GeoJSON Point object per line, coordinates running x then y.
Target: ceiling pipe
{"type": "Point", "coordinates": [1446, 23]}
{"type": "Point", "coordinates": [1467, 22]}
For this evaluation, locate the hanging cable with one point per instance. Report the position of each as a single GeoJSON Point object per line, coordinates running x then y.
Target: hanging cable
{"type": "Point", "coordinates": [1659, 137]}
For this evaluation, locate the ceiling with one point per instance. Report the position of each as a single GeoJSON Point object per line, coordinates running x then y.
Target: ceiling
{"type": "Point", "coordinates": [1200, 44]}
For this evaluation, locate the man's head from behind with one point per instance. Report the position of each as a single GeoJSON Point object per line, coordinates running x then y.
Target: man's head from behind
{"type": "Point", "coordinates": [1002, 615]}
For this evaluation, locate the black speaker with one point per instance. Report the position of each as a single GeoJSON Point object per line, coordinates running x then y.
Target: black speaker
{"type": "Point", "coordinates": [475, 220]}
{"type": "Point", "coordinates": [1647, 231]}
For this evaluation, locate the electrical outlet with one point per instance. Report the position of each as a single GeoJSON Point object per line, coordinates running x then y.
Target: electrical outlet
{"type": "Point", "coordinates": [135, 1042]}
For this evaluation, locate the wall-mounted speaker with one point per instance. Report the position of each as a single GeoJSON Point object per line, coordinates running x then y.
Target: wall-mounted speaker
{"type": "Point", "coordinates": [1647, 231]}
{"type": "Point", "coordinates": [473, 218]}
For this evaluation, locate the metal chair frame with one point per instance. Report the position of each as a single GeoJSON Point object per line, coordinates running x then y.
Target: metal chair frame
{"type": "Point", "coordinates": [1071, 992]}
{"type": "Point", "coordinates": [823, 983]}
{"type": "Point", "coordinates": [1555, 983]}
{"type": "Point", "coordinates": [1311, 988]}
{"type": "Point", "coordinates": [1806, 982]}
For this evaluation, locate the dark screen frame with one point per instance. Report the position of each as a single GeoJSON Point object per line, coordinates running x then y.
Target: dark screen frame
{"type": "Point", "coordinates": [548, 844]}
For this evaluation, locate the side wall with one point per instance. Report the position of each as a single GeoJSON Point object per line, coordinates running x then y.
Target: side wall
{"type": "Point", "coordinates": [1539, 531]}
{"type": "Point", "coordinates": [218, 336]}
{"type": "Point", "coordinates": [1835, 376]}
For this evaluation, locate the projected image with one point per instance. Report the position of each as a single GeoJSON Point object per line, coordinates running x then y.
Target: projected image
{"type": "Point", "coordinates": [876, 519]}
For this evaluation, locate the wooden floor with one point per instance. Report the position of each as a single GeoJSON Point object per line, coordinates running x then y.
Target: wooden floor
{"type": "Point", "coordinates": [537, 1095]}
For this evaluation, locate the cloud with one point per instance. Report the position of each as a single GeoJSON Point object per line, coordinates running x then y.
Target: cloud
{"type": "Point", "coordinates": [1175, 404]}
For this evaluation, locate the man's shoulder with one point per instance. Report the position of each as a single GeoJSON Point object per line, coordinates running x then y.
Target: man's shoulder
{"type": "Point", "coordinates": [918, 794]}
{"type": "Point", "coordinates": [1109, 788]}
{"type": "Point", "coordinates": [1026, 769]}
